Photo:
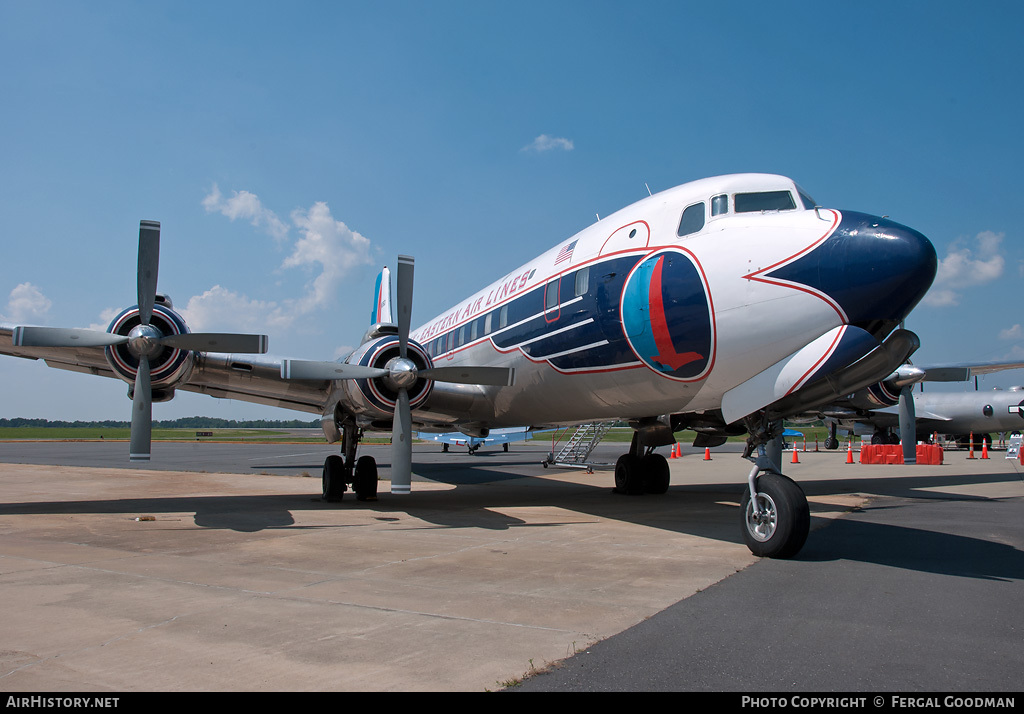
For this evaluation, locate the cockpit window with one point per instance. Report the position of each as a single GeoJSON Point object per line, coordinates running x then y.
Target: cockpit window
{"type": "Point", "coordinates": [719, 205]}
{"type": "Point", "coordinates": [764, 201]}
{"type": "Point", "coordinates": [692, 220]}
{"type": "Point", "coordinates": [809, 203]}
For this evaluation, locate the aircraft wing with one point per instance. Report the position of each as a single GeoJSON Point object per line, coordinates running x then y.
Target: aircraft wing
{"type": "Point", "coordinates": [496, 436]}
{"type": "Point", "coordinates": [248, 377]}
{"type": "Point", "coordinates": [961, 372]}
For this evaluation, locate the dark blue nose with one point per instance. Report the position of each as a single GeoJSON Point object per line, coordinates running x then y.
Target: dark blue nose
{"type": "Point", "coordinates": [875, 269]}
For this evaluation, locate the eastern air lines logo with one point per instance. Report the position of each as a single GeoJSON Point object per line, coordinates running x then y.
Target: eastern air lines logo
{"type": "Point", "coordinates": [668, 317]}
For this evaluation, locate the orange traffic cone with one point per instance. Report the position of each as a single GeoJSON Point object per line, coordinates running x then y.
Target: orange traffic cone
{"type": "Point", "coordinates": [815, 443]}
{"type": "Point", "coordinates": [970, 455]}
{"type": "Point", "coordinates": [796, 459]}
{"type": "Point", "coordinates": [675, 451]}
{"type": "Point", "coordinates": [849, 452]}
{"type": "Point", "coordinates": [707, 453]}
{"type": "Point", "coordinates": [984, 448]}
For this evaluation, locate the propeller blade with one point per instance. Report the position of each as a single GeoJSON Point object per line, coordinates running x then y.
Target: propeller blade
{"type": "Point", "coordinates": [908, 425]}
{"type": "Point", "coordinates": [405, 275]}
{"type": "Point", "coordinates": [317, 371]}
{"type": "Point", "coordinates": [493, 376]}
{"type": "Point", "coordinates": [226, 342]}
{"type": "Point", "coordinates": [149, 263]}
{"type": "Point", "coordinates": [401, 446]}
{"type": "Point", "coordinates": [63, 337]}
{"type": "Point", "coordinates": [142, 414]}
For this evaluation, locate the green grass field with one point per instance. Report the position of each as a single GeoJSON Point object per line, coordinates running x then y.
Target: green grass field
{"type": "Point", "coordinates": [32, 433]}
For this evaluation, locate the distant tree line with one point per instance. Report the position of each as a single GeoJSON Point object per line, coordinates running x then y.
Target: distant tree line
{"type": "Point", "coordinates": [194, 422]}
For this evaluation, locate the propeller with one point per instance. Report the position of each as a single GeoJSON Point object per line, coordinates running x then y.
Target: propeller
{"type": "Point", "coordinates": [144, 340]}
{"type": "Point", "coordinates": [401, 373]}
{"type": "Point", "coordinates": [905, 378]}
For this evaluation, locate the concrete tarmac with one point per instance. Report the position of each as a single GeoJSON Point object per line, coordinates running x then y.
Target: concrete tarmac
{"type": "Point", "coordinates": [239, 578]}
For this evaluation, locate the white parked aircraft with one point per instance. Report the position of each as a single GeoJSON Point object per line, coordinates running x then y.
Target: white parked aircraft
{"type": "Point", "coordinates": [723, 305]}
{"type": "Point", "coordinates": [502, 437]}
{"type": "Point", "coordinates": [879, 409]}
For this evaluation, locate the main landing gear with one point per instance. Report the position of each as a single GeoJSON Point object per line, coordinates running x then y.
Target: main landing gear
{"type": "Point", "coordinates": [641, 470]}
{"type": "Point", "coordinates": [831, 441]}
{"type": "Point", "coordinates": [340, 472]}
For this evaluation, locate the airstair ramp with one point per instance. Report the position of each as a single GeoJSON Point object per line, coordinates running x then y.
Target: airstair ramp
{"type": "Point", "coordinates": [576, 451]}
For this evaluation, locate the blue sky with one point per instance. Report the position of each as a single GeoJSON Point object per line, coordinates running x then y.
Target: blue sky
{"type": "Point", "coordinates": [292, 149]}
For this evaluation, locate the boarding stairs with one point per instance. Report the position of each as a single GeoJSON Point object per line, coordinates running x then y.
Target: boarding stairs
{"type": "Point", "coordinates": [579, 446]}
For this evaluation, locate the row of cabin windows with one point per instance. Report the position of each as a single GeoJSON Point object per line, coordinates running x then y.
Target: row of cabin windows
{"type": "Point", "coordinates": [498, 319]}
{"type": "Point", "coordinates": [693, 218]}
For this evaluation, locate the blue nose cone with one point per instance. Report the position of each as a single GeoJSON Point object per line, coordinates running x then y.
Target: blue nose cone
{"type": "Point", "coordinates": [877, 270]}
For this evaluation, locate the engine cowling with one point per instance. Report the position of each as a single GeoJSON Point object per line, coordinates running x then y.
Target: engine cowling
{"type": "Point", "coordinates": [377, 397]}
{"type": "Point", "coordinates": [168, 367]}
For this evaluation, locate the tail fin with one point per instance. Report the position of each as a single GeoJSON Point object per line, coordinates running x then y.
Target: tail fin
{"type": "Point", "coordinates": [382, 304]}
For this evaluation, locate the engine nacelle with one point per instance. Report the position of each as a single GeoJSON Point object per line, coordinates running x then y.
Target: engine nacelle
{"type": "Point", "coordinates": [168, 368]}
{"type": "Point", "coordinates": [377, 398]}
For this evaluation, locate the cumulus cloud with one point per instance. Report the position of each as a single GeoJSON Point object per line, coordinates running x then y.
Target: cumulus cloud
{"type": "Point", "coordinates": [26, 303]}
{"type": "Point", "coordinates": [544, 142]}
{"type": "Point", "coordinates": [326, 248]}
{"type": "Point", "coordinates": [246, 206]}
{"type": "Point", "coordinates": [966, 266]}
{"type": "Point", "coordinates": [1011, 333]}
{"type": "Point", "coordinates": [220, 306]}
{"type": "Point", "coordinates": [329, 244]}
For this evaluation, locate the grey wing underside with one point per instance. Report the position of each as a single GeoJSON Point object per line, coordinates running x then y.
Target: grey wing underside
{"type": "Point", "coordinates": [248, 378]}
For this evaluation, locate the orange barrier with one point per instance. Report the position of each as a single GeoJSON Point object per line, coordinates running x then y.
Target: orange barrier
{"type": "Point", "coordinates": [927, 454]}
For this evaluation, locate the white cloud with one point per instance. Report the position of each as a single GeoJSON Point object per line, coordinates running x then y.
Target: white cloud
{"type": "Point", "coordinates": [1012, 333]}
{"type": "Point", "coordinates": [545, 142]}
{"type": "Point", "coordinates": [327, 248]}
{"type": "Point", "coordinates": [247, 206]}
{"type": "Point", "coordinates": [965, 267]}
{"type": "Point", "coordinates": [106, 317]}
{"type": "Point", "coordinates": [220, 308]}
{"type": "Point", "coordinates": [27, 303]}
{"type": "Point", "coordinates": [333, 246]}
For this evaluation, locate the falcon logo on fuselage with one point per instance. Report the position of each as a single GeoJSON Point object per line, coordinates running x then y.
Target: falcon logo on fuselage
{"type": "Point", "coordinates": [667, 315]}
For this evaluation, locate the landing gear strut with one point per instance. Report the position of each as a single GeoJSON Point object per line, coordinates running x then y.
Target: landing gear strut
{"type": "Point", "coordinates": [831, 441]}
{"type": "Point", "coordinates": [342, 471]}
{"type": "Point", "coordinates": [641, 470]}
{"type": "Point", "coordinates": [775, 516]}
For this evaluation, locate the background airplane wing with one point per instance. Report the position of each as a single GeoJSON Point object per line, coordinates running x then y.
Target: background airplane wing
{"type": "Point", "coordinates": [961, 372]}
{"type": "Point", "coordinates": [496, 436]}
{"type": "Point", "coordinates": [248, 377]}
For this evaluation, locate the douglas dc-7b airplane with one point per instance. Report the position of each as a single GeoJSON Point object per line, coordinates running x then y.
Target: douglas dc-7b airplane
{"type": "Point", "coordinates": [722, 306]}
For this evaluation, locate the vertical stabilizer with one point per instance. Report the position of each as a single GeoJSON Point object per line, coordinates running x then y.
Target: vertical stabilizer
{"type": "Point", "coordinates": [382, 300]}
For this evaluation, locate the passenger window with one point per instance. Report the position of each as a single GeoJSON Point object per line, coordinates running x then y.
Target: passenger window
{"type": "Point", "coordinates": [582, 281]}
{"type": "Point", "coordinates": [503, 316]}
{"type": "Point", "coordinates": [692, 220]}
{"type": "Point", "coordinates": [472, 330]}
{"type": "Point", "coordinates": [462, 336]}
{"type": "Point", "coordinates": [487, 323]}
{"type": "Point", "coordinates": [719, 205]}
{"type": "Point", "coordinates": [551, 295]}
{"type": "Point", "coordinates": [764, 201]}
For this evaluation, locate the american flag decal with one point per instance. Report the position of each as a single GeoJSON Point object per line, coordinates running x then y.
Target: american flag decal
{"type": "Point", "coordinates": [565, 253]}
